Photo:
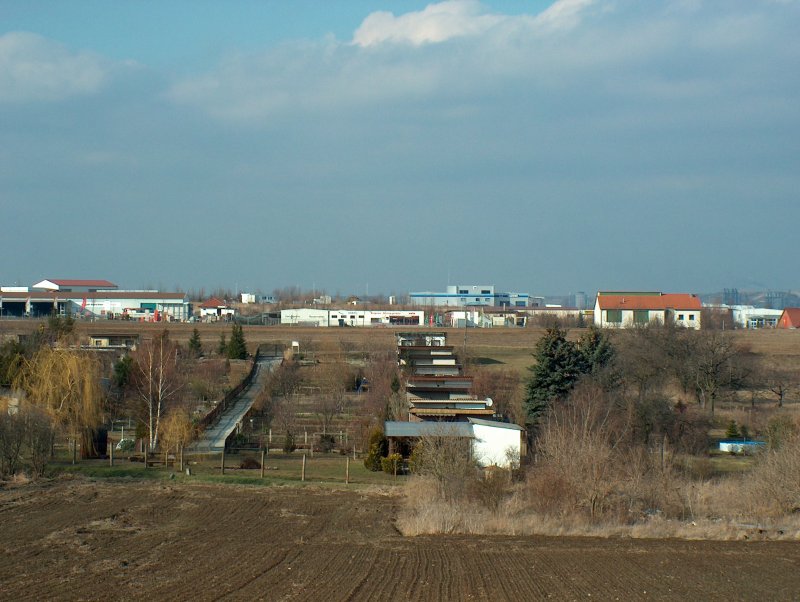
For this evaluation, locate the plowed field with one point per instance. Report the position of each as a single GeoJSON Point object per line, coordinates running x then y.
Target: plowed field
{"type": "Point", "coordinates": [79, 539]}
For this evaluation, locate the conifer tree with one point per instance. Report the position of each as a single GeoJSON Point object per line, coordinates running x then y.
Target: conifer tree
{"type": "Point", "coordinates": [237, 347]}
{"type": "Point", "coordinates": [195, 346]}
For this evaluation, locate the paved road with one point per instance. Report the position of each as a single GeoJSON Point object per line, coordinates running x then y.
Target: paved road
{"type": "Point", "coordinates": [213, 438]}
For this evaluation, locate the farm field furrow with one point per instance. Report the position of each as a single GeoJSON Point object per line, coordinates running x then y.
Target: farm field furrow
{"type": "Point", "coordinates": [81, 539]}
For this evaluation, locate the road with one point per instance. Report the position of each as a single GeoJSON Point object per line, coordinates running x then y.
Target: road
{"type": "Point", "coordinates": [213, 438]}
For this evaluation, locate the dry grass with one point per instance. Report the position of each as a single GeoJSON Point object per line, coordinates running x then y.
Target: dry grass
{"type": "Point", "coordinates": [718, 507]}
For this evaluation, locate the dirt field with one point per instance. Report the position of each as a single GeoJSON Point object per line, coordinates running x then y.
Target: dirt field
{"type": "Point", "coordinates": [81, 539]}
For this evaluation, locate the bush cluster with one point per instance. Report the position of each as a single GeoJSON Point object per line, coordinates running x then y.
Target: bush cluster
{"type": "Point", "coordinates": [26, 441]}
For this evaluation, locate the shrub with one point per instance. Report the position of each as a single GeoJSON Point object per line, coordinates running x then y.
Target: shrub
{"type": "Point", "coordinates": [732, 432]}
{"type": "Point", "coordinates": [392, 463]}
{"type": "Point", "coordinates": [288, 443]}
{"type": "Point", "coordinates": [25, 435]}
{"type": "Point", "coordinates": [378, 448]}
{"type": "Point", "coordinates": [249, 464]}
{"type": "Point", "coordinates": [327, 443]}
{"type": "Point", "coordinates": [39, 435]}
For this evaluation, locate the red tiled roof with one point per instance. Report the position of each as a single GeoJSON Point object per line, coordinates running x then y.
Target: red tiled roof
{"type": "Point", "coordinates": [97, 283]}
{"type": "Point", "coordinates": [790, 318]}
{"type": "Point", "coordinates": [662, 301]}
{"type": "Point", "coordinates": [213, 303]}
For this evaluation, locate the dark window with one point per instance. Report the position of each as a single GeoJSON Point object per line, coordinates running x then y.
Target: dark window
{"type": "Point", "coordinates": [614, 316]}
{"type": "Point", "coordinates": [641, 316]}
{"type": "Point", "coordinates": [485, 292]}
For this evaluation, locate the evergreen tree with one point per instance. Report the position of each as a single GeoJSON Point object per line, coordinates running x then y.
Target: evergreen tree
{"type": "Point", "coordinates": [195, 346]}
{"type": "Point", "coordinates": [122, 371]}
{"type": "Point", "coordinates": [222, 347]}
{"type": "Point", "coordinates": [559, 365]}
{"type": "Point", "coordinates": [596, 351]}
{"type": "Point", "coordinates": [237, 347]}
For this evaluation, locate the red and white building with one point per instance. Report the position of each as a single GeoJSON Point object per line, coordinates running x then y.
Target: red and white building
{"type": "Point", "coordinates": [632, 309]}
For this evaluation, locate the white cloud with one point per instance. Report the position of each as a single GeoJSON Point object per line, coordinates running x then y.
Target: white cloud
{"type": "Point", "coordinates": [435, 23]}
{"type": "Point", "coordinates": [612, 51]}
{"type": "Point", "coordinates": [33, 68]}
{"type": "Point", "coordinates": [563, 14]}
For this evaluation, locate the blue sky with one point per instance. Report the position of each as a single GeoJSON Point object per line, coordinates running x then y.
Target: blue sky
{"type": "Point", "coordinates": [545, 147]}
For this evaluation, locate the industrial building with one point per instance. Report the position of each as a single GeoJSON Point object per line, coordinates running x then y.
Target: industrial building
{"type": "Point", "coordinates": [461, 295]}
{"type": "Point", "coordinates": [93, 299]}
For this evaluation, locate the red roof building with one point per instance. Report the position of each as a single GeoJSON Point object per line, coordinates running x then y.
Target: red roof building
{"type": "Point", "coordinates": [74, 286]}
{"type": "Point", "coordinates": [790, 318]}
{"type": "Point", "coordinates": [631, 309]}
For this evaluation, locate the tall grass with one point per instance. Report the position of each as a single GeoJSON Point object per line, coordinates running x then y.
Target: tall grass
{"type": "Point", "coordinates": [586, 484]}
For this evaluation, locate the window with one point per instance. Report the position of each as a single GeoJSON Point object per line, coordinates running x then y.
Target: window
{"type": "Point", "coordinates": [614, 316]}
{"type": "Point", "coordinates": [463, 292]}
{"type": "Point", "coordinates": [691, 316]}
{"type": "Point", "coordinates": [680, 317]}
{"type": "Point", "coordinates": [641, 316]}
{"type": "Point", "coordinates": [477, 298]}
{"type": "Point", "coordinates": [486, 292]}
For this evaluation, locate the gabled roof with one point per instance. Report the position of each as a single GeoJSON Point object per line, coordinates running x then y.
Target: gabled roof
{"type": "Point", "coordinates": [649, 301]}
{"type": "Point", "coordinates": [790, 317]}
{"type": "Point", "coordinates": [213, 303]}
{"type": "Point", "coordinates": [66, 282]}
{"type": "Point", "coordinates": [98, 283]}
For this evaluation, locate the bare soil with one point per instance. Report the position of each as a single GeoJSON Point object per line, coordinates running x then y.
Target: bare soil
{"type": "Point", "coordinates": [74, 538]}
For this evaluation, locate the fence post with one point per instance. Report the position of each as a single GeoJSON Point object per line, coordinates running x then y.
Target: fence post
{"type": "Point", "coordinates": [262, 463]}
{"type": "Point", "coordinates": [222, 464]}
{"type": "Point", "coordinates": [180, 455]}
{"type": "Point", "coordinates": [111, 453]}
{"type": "Point", "coordinates": [303, 470]}
{"type": "Point", "coordinates": [347, 471]}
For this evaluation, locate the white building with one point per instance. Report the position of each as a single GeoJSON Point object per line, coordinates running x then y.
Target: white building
{"type": "Point", "coordinates": [632, 309]}
{"type": "Point", "coordinates": [747, 316]}
{"type": "Point", "coordinates": [354, 316]}
{"type": "Point", "coordinates": [133, 305]}
{"type": "Point", "coordinates": [493, 443]}
{"type": "Point", "coordinates": [461, 295]}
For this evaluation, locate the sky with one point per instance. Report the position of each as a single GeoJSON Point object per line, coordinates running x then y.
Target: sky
{"type": "Point", "coordinates": [376, 146]}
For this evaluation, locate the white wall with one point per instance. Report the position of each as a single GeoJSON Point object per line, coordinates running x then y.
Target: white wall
{"type": "Point", "coordinates": [491, 443]}
{"type": "Point", "coordinates": [351, 316]}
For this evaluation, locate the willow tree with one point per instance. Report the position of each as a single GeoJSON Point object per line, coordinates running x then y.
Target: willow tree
{"type": "Point", "coordinates": [157, 381]}
{"type": "Point", "coordinates": [66, 385]}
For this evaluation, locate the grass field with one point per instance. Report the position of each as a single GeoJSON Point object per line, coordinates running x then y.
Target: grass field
{"type": "Point", "coordinates": [279, 468]}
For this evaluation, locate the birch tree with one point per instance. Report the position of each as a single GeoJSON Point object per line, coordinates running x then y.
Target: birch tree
{"type": "Point", "coordinates": [157, 381]}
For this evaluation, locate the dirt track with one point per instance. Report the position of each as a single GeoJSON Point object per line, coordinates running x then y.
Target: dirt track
{"type": "Point", "coordinates": [77, 539]}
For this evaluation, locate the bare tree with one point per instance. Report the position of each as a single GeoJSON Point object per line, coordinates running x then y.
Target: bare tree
{"type": "Point", "coordinates": [157, 381]}
{"type": "Point", "coordinates": [503, 387]}
{"type": "Point", "coordinates": [781, 382]}
{"type": "Point", "coordinates": [714, 366]}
